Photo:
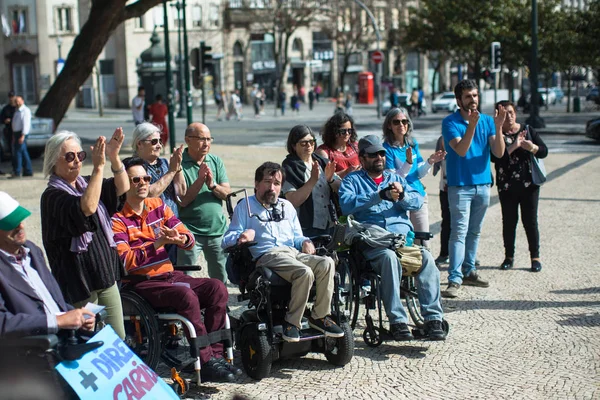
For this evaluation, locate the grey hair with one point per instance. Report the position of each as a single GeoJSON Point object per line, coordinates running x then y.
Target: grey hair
{"type": "Point", "coordinates": [52, 151]}
{"type": "Point", "coordinates": [142, 132]}
{"type": "Point", "coordinates": [388, 134]}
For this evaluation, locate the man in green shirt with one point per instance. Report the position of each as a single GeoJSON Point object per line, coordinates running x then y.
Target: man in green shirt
{"type": "Point", "coordinates": [201, 201]}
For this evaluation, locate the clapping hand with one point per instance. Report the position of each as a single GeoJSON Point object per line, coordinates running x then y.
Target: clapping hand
{"type": "Point", "coordinates": [203, 172]}
{"type": "Point", "coordinates": [500, 116]}
{"type": "Point", "coordinates": [315, 172]}
{"type": "Point", "coordinates": [409, 155]}
{"type": "Point", "coordinates": [113, 147]}
{"type": "Point", "coordinates": [329, 170]}
{"type": "Point", "coordinates": [172, 236]}
{"type": "Point", "coordinates": [98, 153]}
{"type": "Point", "coordinates": [437, 157]}
{"type": "Point", "coordinates": [175, 160]}
{"type": "Point", "coordinates": [473, 117]}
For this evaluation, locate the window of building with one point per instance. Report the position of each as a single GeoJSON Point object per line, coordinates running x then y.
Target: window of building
{"type": "Point", "coordinates": [139, 22]}
{"type": "Point", "coordinates": [214, 15]}
{"type": "Point", "coordinates": [381, 20]}
{"type": "Point", "coordinates": [235, 4]}
{"type": "Point", "coordinates": [197, 16]}
{"type": "Point", "coordinates": [158, 16]}
{"type": "Point", "coordinates": [237, 50]}
{"type": "Point", "coordinates": [107, 67]}
{"type": "Point", "coordinates": [395, 19]}
{"type": "Point", "coordinates": [177, 16]}
{"type": "Point", "coordinates": [64, 21]}
{"type": "Point", "coordinates": [19, 21]}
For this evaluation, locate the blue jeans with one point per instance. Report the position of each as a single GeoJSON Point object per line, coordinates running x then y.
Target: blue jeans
{"type": "Point", "coordinates": [385, 262]}
{"type": "Point", "coordinates": [20, 157]}
{"type": "Point", "coordinates": [468, 205]}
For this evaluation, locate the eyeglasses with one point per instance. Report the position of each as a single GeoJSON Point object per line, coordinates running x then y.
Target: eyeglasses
{"type": "Point", "coordinates": [201, 138]}
{"type": "Point", "coordinates": [70, 156]}
{"type": "Point", "coordinates": [154, 141]}
{"type": "Point", "coordinates": [137, 179]}
{"type": "Point", "coordinates": [397, 122]}
{"type": "Point", "coordinates": [343, 132]}
{"type": "Point", "coordinates": [306, 143]}
{"type": "Point", "coordinates": [375, 155]}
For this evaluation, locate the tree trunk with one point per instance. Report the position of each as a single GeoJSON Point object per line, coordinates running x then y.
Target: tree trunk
{"type": "Point", "coordinates": [568, 92]}
{"type": "Point", "coordinates": [105, 16]}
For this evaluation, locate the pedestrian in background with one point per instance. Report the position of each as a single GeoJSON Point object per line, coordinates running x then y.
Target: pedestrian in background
{"type": "Point", "coordinates": [263, 99]}
{"type": "Point", "coordinates": [516, 187]}
{"type": "Point", "coordinates": [295, 102]}
{"type": "Point", "coordinates": [221, 101]}
{"type": "Point", "coordinates": [311, 99]}
{"type": "Point", "coordinates": [8, 111]}
{"type": "Point", "coordinates": [282, 101]}
{"type": "Point", "coordinates": [348, 104]}
{"type": "Point", "coordinates": [158, 116]}
{"type": "Point", "coordinates": [76, 221]}
{"type": "Point", "coordinates": [137, 106]}
{"type": "Point", "coordinates": [21, 125]}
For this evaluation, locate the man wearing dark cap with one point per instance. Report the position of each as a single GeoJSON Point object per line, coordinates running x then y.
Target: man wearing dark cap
{"type": "Point", "coordinates": [380, 199]}
{"type": "Point", "coordinates": [30, 300]}
{"type": "Point", "coordinates": [6, 116]}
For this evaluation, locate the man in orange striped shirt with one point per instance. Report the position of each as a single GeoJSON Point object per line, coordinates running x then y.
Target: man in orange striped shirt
{"type": "Point", "coordinates": [141, 231]}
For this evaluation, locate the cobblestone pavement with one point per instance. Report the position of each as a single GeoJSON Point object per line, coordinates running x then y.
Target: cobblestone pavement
{"type": "Point", "coordinates": [527, 336]}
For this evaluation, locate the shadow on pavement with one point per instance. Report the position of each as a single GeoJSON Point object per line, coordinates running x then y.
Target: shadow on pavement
{"type": "Point", "coordinates": [581, 320]}
{"type": "Point", "coordinates": [517, 305]}
{"type": "Point", "coordinates": [577, 291]}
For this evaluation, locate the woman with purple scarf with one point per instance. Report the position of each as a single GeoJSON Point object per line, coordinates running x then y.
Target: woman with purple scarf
{"type": "Point", "coordinates": [76, 221]}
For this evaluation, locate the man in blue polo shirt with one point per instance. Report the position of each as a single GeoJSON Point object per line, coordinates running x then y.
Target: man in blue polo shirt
{"type": "Point", "coordinates": [468, 138]}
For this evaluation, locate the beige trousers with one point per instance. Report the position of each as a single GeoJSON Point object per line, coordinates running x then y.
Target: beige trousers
{"type": "Point", "coordinates": [301, 270]}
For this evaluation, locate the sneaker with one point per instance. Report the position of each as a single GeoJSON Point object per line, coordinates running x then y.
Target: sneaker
{"type": "Point", "coordinates": [327, 326]}
{"type": "Point", "coordinates": [400, 332]}
{"type": "Point", "coordinates": [442, 260]}
{"type": "Point", "coordinates": [536, 266]}
{"type": "Point", "coordinates": [507, 264]}
{"type": "Point", "coordinates": [214, 371]}
{"type": "Point", "coordinates": [451, 291]}
{"type": "Point", "coordinates": [473, 279]}
{"type": "Point", "coordinates": [232, 368]}
{"type": "Point", "coordinates": [290, 333]}
{"type": "Point", "coordinates": [435, 330]}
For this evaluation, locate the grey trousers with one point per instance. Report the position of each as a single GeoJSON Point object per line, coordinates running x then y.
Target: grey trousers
{"type": "Point", "coordinates": [301, 270]}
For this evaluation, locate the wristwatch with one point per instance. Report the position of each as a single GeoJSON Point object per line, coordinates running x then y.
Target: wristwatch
{"type": "Point", "coordinates": [213, 187]}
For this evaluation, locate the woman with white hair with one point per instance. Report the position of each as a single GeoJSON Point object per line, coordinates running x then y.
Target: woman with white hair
{"type": "Point", "coordinates": [404, 157]}
{"type": "Point", "coordinates": [166, 175]}
{"type": "Point", "coordinates": [76, 221]}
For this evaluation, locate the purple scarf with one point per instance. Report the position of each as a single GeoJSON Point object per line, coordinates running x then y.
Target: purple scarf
{"type": "Point", "coordinates": [80, 244]}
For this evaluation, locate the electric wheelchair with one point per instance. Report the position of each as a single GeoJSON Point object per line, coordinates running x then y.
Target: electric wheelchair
{"type": "Point", "coordinates": [361, 287]}
{"type": "Point", "coordinates": [258, 331]}
{"type": "Point", "coordinates": [160, 334]}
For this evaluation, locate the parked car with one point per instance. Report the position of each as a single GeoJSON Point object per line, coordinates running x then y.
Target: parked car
{"type": "Point", "coordinates": [41, 131]}
{"type": "Point", "coordinates": [403, 101]}
{"type": "Point", "coordinates": [592, 129]}
{"type": "Point", "coordinates": [445, 102]}
{"type": "Point", "coordinates": [593, 94]}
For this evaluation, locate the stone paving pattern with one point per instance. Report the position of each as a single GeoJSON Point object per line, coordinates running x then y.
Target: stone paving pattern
{"type": "Point", "coordinates": [527, 336]}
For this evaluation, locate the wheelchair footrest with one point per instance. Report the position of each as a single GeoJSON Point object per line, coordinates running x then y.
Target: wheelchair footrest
{"type": "Point", "coordinates": [310, 334]}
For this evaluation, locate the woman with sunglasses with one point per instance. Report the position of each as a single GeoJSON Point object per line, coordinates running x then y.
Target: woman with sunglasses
{"type": "Point", "coordinates": [404, 157]}
{"type": "Point", "coordinates": [309, 180]}
{"type": "Point", "coordinates": [166, 175]}
{"type": "Point", "coordinates": [340, 144]}
{"type": "Point", "coordinates": [76, 221]}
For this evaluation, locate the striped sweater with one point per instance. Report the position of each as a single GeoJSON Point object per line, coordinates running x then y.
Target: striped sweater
{"type": "Point", "coordinates": [135, 236]}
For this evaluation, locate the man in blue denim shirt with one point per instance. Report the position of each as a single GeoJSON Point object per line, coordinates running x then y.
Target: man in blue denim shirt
{"type": "Point", "coordinates": [282, 247]}
{"type": "Point", "coordinates": [468, 139]}
{"type": "Point", "coordinates": [375, 196]}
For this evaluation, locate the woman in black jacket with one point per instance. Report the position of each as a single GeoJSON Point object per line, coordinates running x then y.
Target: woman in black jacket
{"type": "Point", "coordinates": [309, 182]}
{"type": "Point", "coordinates": [516, 187]}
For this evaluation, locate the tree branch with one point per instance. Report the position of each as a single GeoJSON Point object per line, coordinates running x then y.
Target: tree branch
{"type": "Point", "coordinates": [139, 8]}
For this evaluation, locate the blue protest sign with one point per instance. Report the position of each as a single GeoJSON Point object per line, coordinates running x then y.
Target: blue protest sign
{"type": "Point", "coordinates": [113, 371]}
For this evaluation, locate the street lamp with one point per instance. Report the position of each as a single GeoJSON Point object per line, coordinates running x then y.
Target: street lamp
{"type": "Point", "coordinates": [179, 7]}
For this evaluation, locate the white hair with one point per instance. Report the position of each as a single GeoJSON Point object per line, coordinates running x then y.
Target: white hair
{"type": "Point", "coordinates": [52, 151]}
{"type": "Point", "coordinates": [142, 132]}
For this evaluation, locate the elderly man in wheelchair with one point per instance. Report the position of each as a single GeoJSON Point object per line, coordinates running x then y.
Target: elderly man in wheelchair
{"type": "Point", "coordinates": [380, 199]}
{"type": "Point", "coordinates": [35, 320]}
{"type": "Point", "coordinates": [281, 247]}
{"type": "Point", "coordinates": [141, 230]}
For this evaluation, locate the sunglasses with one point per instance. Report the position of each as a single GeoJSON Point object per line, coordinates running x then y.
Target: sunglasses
{"type": "Point", "coordinates": [154, 141]}
{"type": "Point", "coordinates": [375, 155]}
{"type": "Point", "coordinates": [201, 138]}
{"type": "Point", "coordinates": [137, 179]}
{"type": "Point", "coordinates": [343, 132]}
{"type": "Point", "coordinates": [397, 122]}
{"type": "Point", "coordinates": [305, 143]}
{"type": "Point", "coordinates": [70, 156]}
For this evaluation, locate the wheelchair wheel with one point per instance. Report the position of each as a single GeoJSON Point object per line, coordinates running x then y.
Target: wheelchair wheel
{"type": "Point", "coordinates": [373, 337]}
{"type": "Point", "coordinates": [342, 349]}
{"type": "Point", "coordinates": [256, 353]}
{"type": "Point", "coordinates": [176, 347]}
{"type": "Point", "coordinates": [142, 333]}
{"type": "Point", "coordinates": [412, 301]}
{"type": "Point", "coordinates": [345, 289]}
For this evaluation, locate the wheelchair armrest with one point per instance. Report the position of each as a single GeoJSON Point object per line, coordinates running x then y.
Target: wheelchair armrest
{"type": "Point", "coordinates": [76, 351]}
{"type": "Point", "coordinates": [187, 267]}
{"type": "Point", "coordinates": [135, 278]}
{"type": "Point", "coordinates": [321, 240]}
{"type": "Point", "coordinates": [237, 247]}
{"type": "Point", "coordinates": [423, 235]}
{"type": "Point", "coordinates": [39, 342]}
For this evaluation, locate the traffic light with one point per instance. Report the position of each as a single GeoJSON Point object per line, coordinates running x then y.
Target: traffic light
{"type": "Point", "coordinates": [205, 57]}
{"type": "Point", "coordinates": [496, 63]}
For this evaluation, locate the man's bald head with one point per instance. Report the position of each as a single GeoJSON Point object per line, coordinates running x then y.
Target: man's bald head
{"type": "Point", "coordinates": [196, 128]}
{"type": "Point", "coordinates": [198, 140]}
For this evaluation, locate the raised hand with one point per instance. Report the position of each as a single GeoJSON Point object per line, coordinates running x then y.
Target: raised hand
{"type": "Point", "coordinates": [113, 147]}
{"type": "Point", "coordinates": [315, 172]}
{"type": "Point", "coordinates": [437, 157]}
{"type": "Point", "coordinates": [175, 160]}
{"type": "Point", "coordinates": [209, 179]}
{"type": "Point", "coordinates": [98, 152]}
{"type": "Point", "coordinates": [409, 155]}
{"type": "Point", "coordinates": [473, 117]}
{"type": "Point", "coordinates": [329, 170]}
{"type": "Point", "coordinates": [500, 116]}
{"type": "Point", "coordinates": [203, 172]}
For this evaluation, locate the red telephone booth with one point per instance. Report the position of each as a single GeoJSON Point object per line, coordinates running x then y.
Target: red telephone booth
{"type": "Point", "coordinates": [365, 87]}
